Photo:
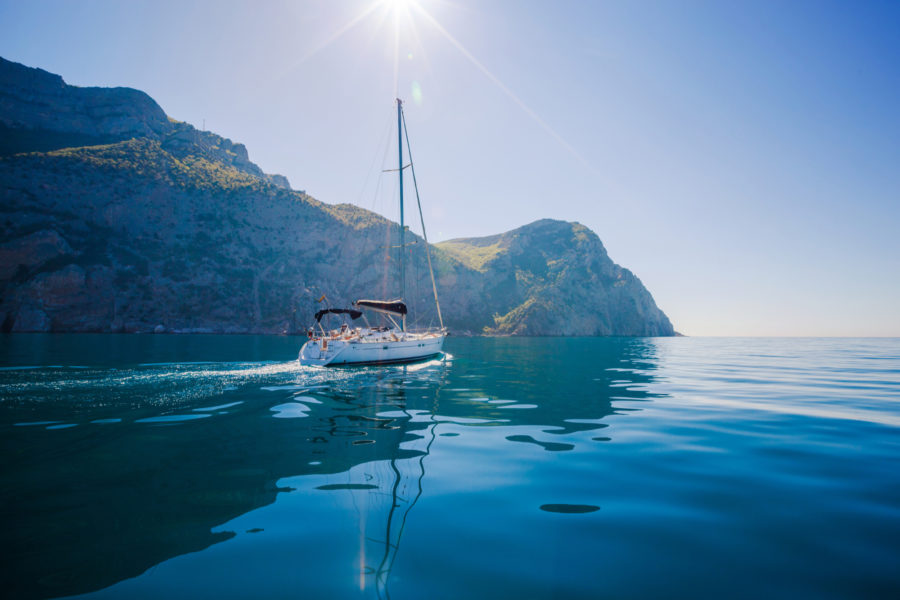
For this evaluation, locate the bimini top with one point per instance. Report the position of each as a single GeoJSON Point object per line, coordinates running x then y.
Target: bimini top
{"type": "Point", "coordinates": [394, 307]}
{"type": "Point", "coordinates": [354, 314]}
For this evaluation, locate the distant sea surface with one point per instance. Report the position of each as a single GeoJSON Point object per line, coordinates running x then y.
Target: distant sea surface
{"type": "Point", "coordinates": [217, 467]}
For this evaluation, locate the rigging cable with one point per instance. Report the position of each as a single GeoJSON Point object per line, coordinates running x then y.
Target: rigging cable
{"type": "Point", "coordinates": [385, 137]}
{"type": "Point", "coordinates": [422, 219]}
{"type": "Point", "coordinates": [385, 143]}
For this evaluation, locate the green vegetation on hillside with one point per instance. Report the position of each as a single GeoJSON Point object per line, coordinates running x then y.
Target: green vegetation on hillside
{"type": "Point", "coordinates": [148, 158]}
{"type": "Point", "coordinates": [473, 256]}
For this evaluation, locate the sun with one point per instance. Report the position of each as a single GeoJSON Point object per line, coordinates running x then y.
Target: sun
{"type": "Point", "coordinates": [406, 15]}
{"type": "Point", "coordinates": [400, 6]}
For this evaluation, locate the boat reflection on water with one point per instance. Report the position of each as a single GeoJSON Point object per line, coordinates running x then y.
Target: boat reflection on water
{"type": "Point", "coordinates": [140, 479]}
{"type": "Point", "coordinates": [404, 480]}
{"type": "Point", "coordinates": [404, 398]}
{"type": "Point", "coordinates": [475, 390]}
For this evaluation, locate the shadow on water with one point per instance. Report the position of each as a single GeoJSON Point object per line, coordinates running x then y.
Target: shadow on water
{"type": "Point", "coordinates": [116, 467]}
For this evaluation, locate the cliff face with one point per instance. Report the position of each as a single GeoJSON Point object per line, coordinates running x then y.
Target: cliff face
{"type": "Point", "coordinates": [40, 112]}
{"type": "Point", "coordinates": [116, 218]}
{"type": "Point", "coordinates": [44, 105]}
{"type": "Point", "coordinates": [555, 278]}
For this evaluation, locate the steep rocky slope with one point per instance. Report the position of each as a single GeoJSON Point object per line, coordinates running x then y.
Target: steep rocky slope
{"type": "Point", "coordinates": [555, 278]}
{"type": "Point", "coordinates": [40, 112]}
{"type": "Point", "coordinates": [115, 218]}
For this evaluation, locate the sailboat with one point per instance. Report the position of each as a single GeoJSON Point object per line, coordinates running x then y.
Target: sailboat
{"type": "Point", "coordinates": [382, 344]}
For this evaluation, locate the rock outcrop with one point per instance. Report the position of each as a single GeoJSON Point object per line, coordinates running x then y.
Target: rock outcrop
{"type": "Point", "coordinates": [555, 278]}
{"type": "Point", "coordinates": [40, 112]}
{"type": "Point", "coordinates": [30, 252]}
{"type": "Point", "coordinates": [147, 224]}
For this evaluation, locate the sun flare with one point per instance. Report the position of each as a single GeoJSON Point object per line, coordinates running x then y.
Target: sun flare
{"type": "Point", "coordinates": [400, 6]}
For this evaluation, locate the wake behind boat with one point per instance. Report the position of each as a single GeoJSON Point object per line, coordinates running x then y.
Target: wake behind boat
{"type": "Point", "coordinates": [391, 342]}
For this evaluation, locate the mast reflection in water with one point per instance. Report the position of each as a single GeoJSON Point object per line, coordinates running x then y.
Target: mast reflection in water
{"type": "Point", "coordinates": [200, 467]}
{"type": "Point", "coordinates": [118, 461]}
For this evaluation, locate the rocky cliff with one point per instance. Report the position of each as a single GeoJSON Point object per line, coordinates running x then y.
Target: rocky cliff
{"type": "Point", "coordinates": [555, 278]}
{"type": "Point", "coordinates": [40, 112]}
{"type": "Point", "coordinates": [117, 218]}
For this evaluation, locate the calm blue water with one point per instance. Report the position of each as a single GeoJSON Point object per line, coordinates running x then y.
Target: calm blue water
{"type": "Point", "coordinates": [216, 467]}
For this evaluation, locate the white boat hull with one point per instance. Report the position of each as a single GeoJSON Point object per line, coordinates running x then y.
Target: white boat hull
{"type": "Point", "coordinates": [334, 352]}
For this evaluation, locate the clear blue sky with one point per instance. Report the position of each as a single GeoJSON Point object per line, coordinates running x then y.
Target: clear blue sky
{"type": "Point", "coordinates": [742, 158]}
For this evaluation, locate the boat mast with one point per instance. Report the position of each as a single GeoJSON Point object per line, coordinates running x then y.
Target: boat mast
{"type": "Point", "coordinates": [412, 169]}
{"type": "Point", "coordinates": [400, 172]}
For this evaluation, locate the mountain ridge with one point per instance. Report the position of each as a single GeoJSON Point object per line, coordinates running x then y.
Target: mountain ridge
{"type": "Point", "coordinates": [162, 227]}
{"type": "Point", "coordinates": [40, 112]}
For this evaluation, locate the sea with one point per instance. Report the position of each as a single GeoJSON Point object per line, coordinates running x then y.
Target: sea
{"type": "Point", "coordinates": [167, 466]}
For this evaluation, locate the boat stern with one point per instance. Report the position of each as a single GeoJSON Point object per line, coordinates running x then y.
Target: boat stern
{"type": "Point", "coordinates": [319, 353]}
